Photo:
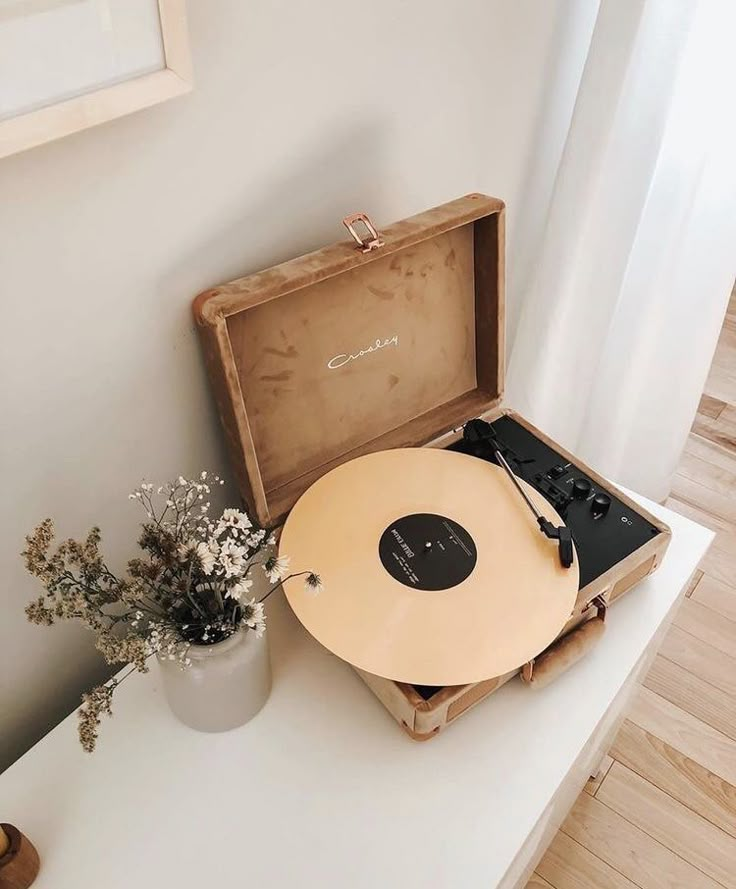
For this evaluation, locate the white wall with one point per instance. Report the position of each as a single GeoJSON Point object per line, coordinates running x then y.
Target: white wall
{"type": "Point", "coordinates": [301, 113]}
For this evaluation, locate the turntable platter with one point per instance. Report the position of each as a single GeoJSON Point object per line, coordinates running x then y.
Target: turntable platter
{"type": "Point", "coordinates": [434, 570]}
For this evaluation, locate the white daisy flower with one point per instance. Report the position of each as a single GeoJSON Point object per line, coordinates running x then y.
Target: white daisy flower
{"type": "Point", "coordinates": [206, 557]}
{"type": "Point", "coordinates": [232, 558]}
{"type": "Point", "coordinates": [233, 518]}
{"type": "Point", "coordinates": [239, 589]}
{"type": "Point", "coordinates": [276, 567]}
{"type": "Point", "coordinates": [254, 617]}
{"type": "Point", "coordinates": [313, 583]}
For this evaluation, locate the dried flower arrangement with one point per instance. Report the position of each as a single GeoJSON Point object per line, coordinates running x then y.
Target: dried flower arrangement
{"type": "Point", "coordinates": [190, 588]}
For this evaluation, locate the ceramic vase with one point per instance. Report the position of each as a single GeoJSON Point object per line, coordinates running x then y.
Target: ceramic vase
{"type": "Point", "coordinates": [225, 684]}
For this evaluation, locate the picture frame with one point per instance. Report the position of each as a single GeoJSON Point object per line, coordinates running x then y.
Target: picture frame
{"type": "Point", "coordinates": [107, 102]}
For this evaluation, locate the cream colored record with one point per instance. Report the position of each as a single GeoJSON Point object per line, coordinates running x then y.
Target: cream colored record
{"type": "Point", "coordinates": [439, 518]}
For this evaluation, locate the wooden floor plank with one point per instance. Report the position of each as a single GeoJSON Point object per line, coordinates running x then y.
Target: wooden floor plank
{"type": "Point", "coordinates": [717, 595]}
{"type": "Point", "coordinates": [699, 658]}
{"type": "Point", "coordinates": [711, 748]}
{"type": "Point", "coordinates": [721, 431]}
{"type": "Point", "coordinates": [707, 625]}
{"type": "Point", "coordinates": [720, 563]}
{"type": "Point", "coordinates": [722, 379]}
{"type": "Point", "coordinates": [710, 407]}
{"type": "Point", "coordinates": [694, 581]}
{"type": "Point", "coordinates": [718, 479]}
{"type": "Point", "coordinates": [630, 850]}
{"type": "Point", "coordinates": [671, 823]}
{"type": "Point", "coordinates": [594, 783]}
{"type": "Point", "coordinates": [538, 882]}
{"type": "Point", "coordinates": [681, 777]}
{"type": "Point", "coordinates": [568, 865]}
{"type": "Point", "coordinates": [691, 693]}
{"type": "Point", "coordinates": [725, 532]}
{"type": "Point", "coordinates": [710, 452]}
{"type": "Point", "coordinates": [716, 499]}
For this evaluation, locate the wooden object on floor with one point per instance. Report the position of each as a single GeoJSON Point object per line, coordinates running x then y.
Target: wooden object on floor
{"type": "Point", "coordinates": [19, 865]}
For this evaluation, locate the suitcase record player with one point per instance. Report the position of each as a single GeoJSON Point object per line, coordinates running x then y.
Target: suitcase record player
{"type": "Point", "coordinates": [396, 340]}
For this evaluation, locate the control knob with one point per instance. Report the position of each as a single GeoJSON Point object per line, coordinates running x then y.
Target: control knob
{"type": "Point", "coordinates": [581, 488]}
{"type": "Point", "coordinates": [600, 505]}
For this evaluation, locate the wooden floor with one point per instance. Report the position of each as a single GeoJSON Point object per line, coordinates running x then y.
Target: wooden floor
{"type": "Point", "coordinates": [662, 815]}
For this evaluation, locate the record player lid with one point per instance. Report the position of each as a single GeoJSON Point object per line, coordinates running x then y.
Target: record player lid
{"type": "Point", "coordinates": [342, 352]}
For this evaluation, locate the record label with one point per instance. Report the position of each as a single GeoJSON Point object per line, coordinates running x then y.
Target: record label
{"type": "Point", "coordinates": [426, 551]}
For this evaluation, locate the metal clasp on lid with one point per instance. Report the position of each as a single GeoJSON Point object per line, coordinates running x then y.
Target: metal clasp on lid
{"type": "Point", "coordinates": [366, 244]}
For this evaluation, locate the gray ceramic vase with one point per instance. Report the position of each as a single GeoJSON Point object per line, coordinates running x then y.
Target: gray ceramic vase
{"type": "Point", "coordinates": [225, 685]}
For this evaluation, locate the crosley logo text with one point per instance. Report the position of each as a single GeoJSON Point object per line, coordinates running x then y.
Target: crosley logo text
{"type": "Point", "coordinates": [344, 358]}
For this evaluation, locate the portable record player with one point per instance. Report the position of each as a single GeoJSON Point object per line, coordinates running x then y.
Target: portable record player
{"type": "Point", "coordinates": [326, 369]}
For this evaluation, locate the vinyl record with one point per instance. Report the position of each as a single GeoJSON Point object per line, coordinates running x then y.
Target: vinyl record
{"type": "Point", "coordinates": [434, 570]}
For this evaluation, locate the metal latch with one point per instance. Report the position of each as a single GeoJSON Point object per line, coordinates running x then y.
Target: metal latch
{"type": "Point", "coordinates": [372, 241]}
{"type": "Point", "coordinates": [600, 605]}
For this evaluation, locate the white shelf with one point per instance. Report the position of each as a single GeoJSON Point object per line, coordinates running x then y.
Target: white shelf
{"type": "Point", "coordinates": [323, 789]}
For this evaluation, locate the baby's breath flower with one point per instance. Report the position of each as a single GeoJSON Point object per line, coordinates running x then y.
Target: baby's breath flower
{"type": "Point", "coordinates": [94, 704]}
{"type": "Point", "coordinates": [187, 586]}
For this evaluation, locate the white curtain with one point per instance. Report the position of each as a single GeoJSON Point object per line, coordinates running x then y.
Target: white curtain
{"type": "Point", "coordinates": [617, 329]}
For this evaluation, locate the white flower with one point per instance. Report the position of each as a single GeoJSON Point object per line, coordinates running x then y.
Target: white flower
{"type": "Point", "coordinates": [313, 583]}
{"type": "Point", "coordinates": [206, 557]}
{"type": "Point", "coordinates": [238, 589]}
{"type": "Point", "coordinates": [254, 617]}
{"type": "Point", "coordinates": [186, 549]}
{"type": "Point", "coordinates": [276, 567]}
{"type": "Point", "coordinates": [255, 538]}
{"type": "Point", "coordinates": [232, 558]}
{"type": "Point", "coordinates": [233, 518]}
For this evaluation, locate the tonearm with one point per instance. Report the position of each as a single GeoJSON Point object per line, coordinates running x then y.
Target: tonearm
{"type": "Point", "coordinates": [482, 431]}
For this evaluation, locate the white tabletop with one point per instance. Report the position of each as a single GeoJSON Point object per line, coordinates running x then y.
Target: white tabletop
{"type": "Point", "coordinates": [322, 788]}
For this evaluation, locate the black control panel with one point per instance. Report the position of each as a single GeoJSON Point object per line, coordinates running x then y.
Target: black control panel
{"type": "Point", "coordinates": [604, 529]}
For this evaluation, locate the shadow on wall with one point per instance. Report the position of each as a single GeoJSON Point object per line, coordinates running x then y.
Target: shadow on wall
{"type": "Point", "coordinates": [290, 216]}
{"type": "Point", "coordinates": [294, 214]}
